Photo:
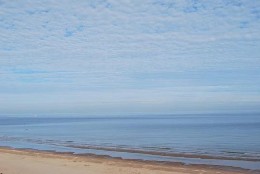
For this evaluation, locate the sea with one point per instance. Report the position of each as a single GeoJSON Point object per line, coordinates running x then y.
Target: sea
{"type": "Point", "coordinates": [211, 139]}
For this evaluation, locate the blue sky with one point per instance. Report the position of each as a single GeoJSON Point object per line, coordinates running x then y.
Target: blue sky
{"type": "Point", "coordinates": [129, 57]}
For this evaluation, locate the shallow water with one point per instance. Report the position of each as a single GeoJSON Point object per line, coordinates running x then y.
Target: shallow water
{"type": "Point", "coordinates": [231, 140]}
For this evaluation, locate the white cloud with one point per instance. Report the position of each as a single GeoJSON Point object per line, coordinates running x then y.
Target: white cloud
{"type": "Point", "coordinates": [51, 47]}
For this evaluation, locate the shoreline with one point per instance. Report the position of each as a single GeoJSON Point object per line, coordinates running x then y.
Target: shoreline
{"type": "Point", "coordinates": [146, 151]}
{"type": "Point", "coordinates": [102, 161]}
{"type": "Point", "coordinates": [160, 153]}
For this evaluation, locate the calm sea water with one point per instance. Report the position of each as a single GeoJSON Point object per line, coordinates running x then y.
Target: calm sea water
{"type": "Point", "coordinates": [231, 140]}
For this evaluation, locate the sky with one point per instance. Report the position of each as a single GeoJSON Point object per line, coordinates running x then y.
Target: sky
{"type": "Point", "coordinates": [105, 57]}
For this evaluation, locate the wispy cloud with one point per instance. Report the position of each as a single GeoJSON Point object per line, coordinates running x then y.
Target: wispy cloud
{"type": "Point", "coordinates": [50, 49]}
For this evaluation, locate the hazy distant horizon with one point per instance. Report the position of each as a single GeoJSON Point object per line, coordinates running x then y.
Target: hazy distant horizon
{"type": "Point", "coordinates": [124, 115]}
{"type": "Point", "coordinates": [129, 57]}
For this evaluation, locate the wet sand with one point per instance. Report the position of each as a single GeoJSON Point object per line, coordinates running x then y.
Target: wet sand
{"type": "Point", "coordinates": [170, 154]}
{"type": "Point", "coordinates": [16, 161]}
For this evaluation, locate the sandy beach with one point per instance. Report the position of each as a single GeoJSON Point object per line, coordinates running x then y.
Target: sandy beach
{"type": "Point", "coordinates": [13, 161]}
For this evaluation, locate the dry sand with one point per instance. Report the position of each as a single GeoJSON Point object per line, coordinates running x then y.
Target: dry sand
{"type": "Point", "coordinates": [37, 162]}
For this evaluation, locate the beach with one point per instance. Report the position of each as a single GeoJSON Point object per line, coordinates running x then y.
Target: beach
{"type": "Point", "coordinates": [130, 87]}
{"type": "Point", "coordinates": [17, 161]}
